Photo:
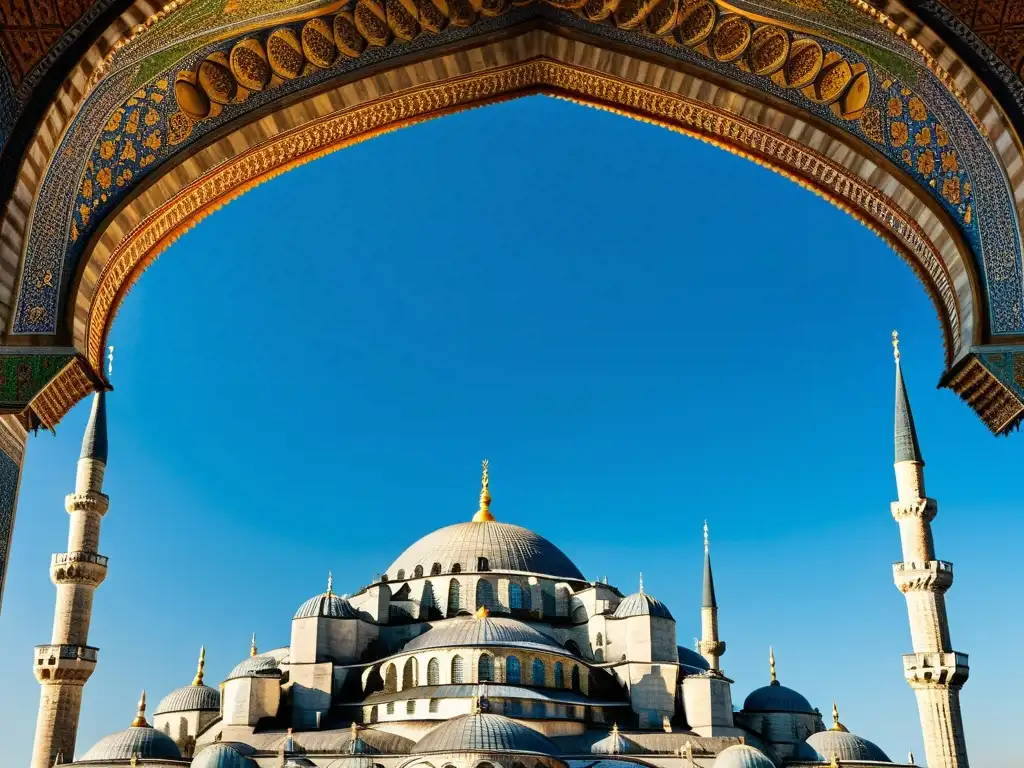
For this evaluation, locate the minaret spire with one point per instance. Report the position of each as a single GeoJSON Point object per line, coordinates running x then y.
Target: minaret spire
{"type": "Point", "coordinates": [934, 670]}
{"type": "Point", "coordinates": [198, 680]}
{"type": "Point", "coordinates": [710, 646]}
{"type": "Point", "coordinates": [483, 515]}
{"type": "Point", "coordinates": [252, 646]}
{"type": "Point", "coordinates": [771, 664]}
{"type": "Point", "coordinates": [140, 715]}
{"type": "Point", "coordinates": [65, 665]}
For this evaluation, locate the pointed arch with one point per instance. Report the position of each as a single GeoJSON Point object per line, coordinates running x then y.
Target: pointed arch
{"type": "Point", "coordinates": [538, 673]}
{"type": "Point", "coordinates": [433, 672]}
{"type": "Point", "coordinates": [391, 679]}
{"type": "Point", "coordinates": [454, 597]}
{"type": "Point", "coordinates": [458, 670]}
{"type": "Point", "coordinates": [485, 595]}
{"type": "Point", "coordinates": [409, 673]}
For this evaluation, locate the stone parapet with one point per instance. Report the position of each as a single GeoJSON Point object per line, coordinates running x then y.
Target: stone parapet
{"type": "Point", "coordinates": [930, 576]}
{"type": "Point", "coordinates": [78, 568]}
{"type": "Point", "coordinates": [926, 509]}
{"type": "Point", "coordinates": [87, 501]}
{"type": "Point", "coordinates": [941, 669]}
{"type": "Point", "coordinates": [70, 664]}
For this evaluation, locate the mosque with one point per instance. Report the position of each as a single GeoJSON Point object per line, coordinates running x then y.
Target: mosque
{"type": "Point", "coordinates": [483, 646]}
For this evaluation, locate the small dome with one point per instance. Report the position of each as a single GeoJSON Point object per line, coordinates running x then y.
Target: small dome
{"type": "Point", "coordinates": [489, 631]}
{"type": "Point", "coordinates": [145, 742]}
{"type": "Point", "coordinates": [191, 698]}
{"type": "Point", "coordinates": [777, 698]}
{"type": "Point", "coordinates": [221, 756]}
{"type": "Point", "coordinates": [328, 605]}
{"type": "Point", "coordinates": [641, 604]}
{"type": "Point", "coordinates": [263, 665]}
{"type": "Point", "coordinates": [845, 746]}
{"type": "Point", "coordinates": [742, 756]}
{"type": "Point", "coordinates": [615, 744]}
{"type": "Point", "coordinates": [484, 733]}
{"type": "Point", "coordinates": [692, 659]}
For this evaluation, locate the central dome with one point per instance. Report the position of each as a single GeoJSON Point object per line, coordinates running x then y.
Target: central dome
{"type": "Point", "coordinates": [506, 547]}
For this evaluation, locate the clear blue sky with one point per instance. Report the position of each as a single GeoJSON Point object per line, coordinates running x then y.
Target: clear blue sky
{"type": "Point", "coordinates": [639, 330]}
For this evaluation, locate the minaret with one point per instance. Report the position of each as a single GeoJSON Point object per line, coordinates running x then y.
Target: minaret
{"type": "Point", "coordinates": [711, 648]}
{"type": "Point", "coordinates": [63, 667]}
{"type": "Point", "coordinates": [934, 670]}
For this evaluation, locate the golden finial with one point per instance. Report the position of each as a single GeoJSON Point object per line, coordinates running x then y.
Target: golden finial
{"type": "Point", "coordinates": [135, 755]}
{"type": "Point", "coordinates": [835, 761]}
{"type": "Point", "coordinates": [896, 345]}
{"type": "Point", "coordinates": [836, 725]}
{"type": "Point", "coordinates": [771, 663]}
{"type": "Point", "coordinates": [705, 537]}
{"type": "Point", "coordinates": [199, 669]}
{"type": "Point", "coordinates": [483, 515]}
{"type": "Point", "coordinates": [252, 648]}
{"type": "Point", "coordinates": [482, 612]}
{"type": "Point", "coordinates": [330, 583]}
{"type": "Point", "coordinates": [140, 716]}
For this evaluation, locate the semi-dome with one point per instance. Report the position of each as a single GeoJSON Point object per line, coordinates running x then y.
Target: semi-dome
{"type": "Point", "coordinates": [742, 756]}
{"type": "Point", "coordinates": [144, 741]}
{"type": "Point", "coordinates": [484, 733]}
{"type": "Point", "coordinates": [221, 756]}
{"type": "Point", "coordinates": [189, 699]}
{"type": "Point", "coordinates": [845, 746]}
{"type": "Point", "coordinates": [504, 546]}
{"type": "Point", "coordinates": [471, 631]}
{"type": "Point", "coordinates": [692, 659]}
{"type": "Point", "coordinates": [641, 604]}
{"type": "Point", "coordinates": [327, 605]}
{"type": "Point", "coordinates": [776, 698]}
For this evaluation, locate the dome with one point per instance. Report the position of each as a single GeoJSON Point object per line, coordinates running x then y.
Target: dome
{"type": "Point", "coordinates": [845, 746]}
{"type": "Point", "coordinates": [641, 604]}
{"type": "Point", "coordinates": [615, 744]}
{"type": "Point", "coordinates": [742, 756]}
{"type": "Point", "coordinates": [777, 698]}
{"type": "Point", "coordinates": [146, 742]}
{"type": "Point", "coordinates": [221, 756]}
{"type": "Point", "coordinates": [692, 659]}
{"type": "Point", "coordinates": [484, 733]}
{"type": "Point", "coordinates": [506, 547]}
{"type": "Point", "coordinates": [489, 631]}
{"type": "Point", "coordinates": [329, 605]}
{"type": "Point", "coordinates": [255, 666]}
{"type": "Point", "coordinates": [188, 699]}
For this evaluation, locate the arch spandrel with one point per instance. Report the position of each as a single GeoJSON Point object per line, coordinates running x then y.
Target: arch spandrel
{"type": "Point", "coordinates": [198, 106]}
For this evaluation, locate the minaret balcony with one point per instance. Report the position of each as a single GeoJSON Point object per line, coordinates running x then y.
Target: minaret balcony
{"type": "Point", "coordinates": [936, 669]}
{"type": "Point", "coordinates": [78, 568]}
{"type": "Point", "coordinates": [930, 576]}
{"type": "Point", "coordinates": [926, 509]}
{"type": "Point", "coordinates": [87, 501]}
{"type": "Point", "coordinates": [64, 663]}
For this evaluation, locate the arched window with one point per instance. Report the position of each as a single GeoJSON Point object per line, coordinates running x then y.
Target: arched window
{"type": "Point", "coordinates": [457, 568]}
{"type": "Point", "coordinates": [428, 603]}
{"type": "Point", "coordinates": [410, 707]}
{"type": "Point", "coordinates": [515, 597]}
{"type": "Point", "coordinates": [485, 764]}
{"type": "Point", "coordinates": [409, 673]}
{"type": "Point", "coordinates": [600, 640]}
{"type": "Point", "coordinates": [433, 672]}
{"type": "Point", "coordinates": [433, 706]}
{"type": "Point", "coordinates": [513, 672]}
{"type": "Point", "coordinates": [482, 564]}
{"type": "Point", "coordinates": [559, 675]}
{"type": "Point", "coordinates": [485, 669]}
{"type": "Point", "coordinates": [454, 597]}
{"type": "Point", "coordinates": [418, 572]}
{"type": "Point", "coordinates": [458, 675]}
{"type": "Point", "coordinates": [576, 679]}
{"type": "Point", "coordinates": [537, 673]}
{"type": "Point", "coordinates": [485, 594]}
{"type": "Point", "coordinates": [391, 707]}
{"type": "Point", "coordinates": [401, 574]}
{"type": "Point", "coordinates": [539, 710]}
{"type": "Point", "coordinates": [435, 569]}
{"type": "Point", "coordinates": [391, 679]}
{"type": "Point", "coordinates": [373, 714]}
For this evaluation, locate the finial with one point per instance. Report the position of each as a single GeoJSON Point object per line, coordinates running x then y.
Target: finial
{"type": "Point", "coordinates": [353, 734]}
{"type": "Point", "coordinates": [483, 515]}
{"type": "Point", "coordinates": [835, 761]}
{"type": "Point", "coordinates": [705, 536]}
{"type": "Point", "coordinates": [771, 663]}
{"type": "Point", "coordinates": [135, 755]}
{"type": "Point", "coordinates": [896, 345]}
{"type": "Point", "coordinates": [110, 360]}
{"type": "Point", "coordinates": [615, 729]}
{"type": "Point", "coordinates": [641, 582]}
{"type": "Point", "coordinates": [199, 669]}
{"type": "Point", "coordinates": [330, 583]}
{"type": "Point", "coordinates": [140, 716]}
{"type": "Point", "coordinates": [910, 757]}
{"type": "Point", "coordinates": [252, 648]}
{"type": "Point", "coordinates": [836, 725]}
{"type": "Point", "coordinates": [482, 612]}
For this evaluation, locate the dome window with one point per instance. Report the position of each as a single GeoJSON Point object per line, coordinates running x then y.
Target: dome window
{"type": "Point", "coordinates": [485, 669]}
{"type": "Point", "coordinates": [418, 572]}
{"type": "Point", "coordinates": [458, 673]}
{"type": "Point", "coordinates": [391, 679]}
{"type": "Point", "coordinates": [391, 708]}
{"type": "Point", "coordinates": [433, 672]}
{"type": "Point", "coordinates": [457, 568]}
{"type": "Point", "coordinates": [409, 674]}
{"type": "Point", "coordinates": [400, 575]}
{"type": "Point", "coordinates": [435, 569]}
{"type": "Point", "coordinates": [513, 672]}
{"type": "Point", "coordinates": [538, 709]}
{"type": "Point", "coordinates": [482, 564]}
{"type": "Point", "coordinates": [454, 597]}
{"type": "Point", "coordinates": [485, 595]}
{"type": "Point", "coordinates": [559, 675]}
{"type": "Point", "coordinates": [538, 673]}
{"type": "Point", "coordinates": [410, 707]}
{"type": "Point", "coordinates": [433, 706]}
{"type": "Point", "coordinates": [576, 679]}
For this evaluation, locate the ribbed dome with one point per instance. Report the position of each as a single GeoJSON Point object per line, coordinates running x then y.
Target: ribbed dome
{"type": "Point", "coordinates": [641, 604]}
{"type": "Point", "coordinates": [845, 746]}
{"type": "Point", "coordinates": [145, 742]}
{"type": "Point", "coordinates": [190, 698]}
{"type": "Point", "coordinates": [255, 666]}
{"type": "Point", "coordinates": [692, 658]}
{"type": "Point", "coordinates": [776, 698]}
{"type": "Point", "coordinates": [484, 733]}
{"type": "Point", "coordinates": [742, 756]}
{"type": "Point", "coordinates": [221, 756]}
{"type": "Point", "coordinates": [329, 605]}
{"type": "Point", "coordinates": [615, 744]}
{"type": "Point", "coordinates": [506, 547]}
{"type": "Point", "coordinates": [465, 631]}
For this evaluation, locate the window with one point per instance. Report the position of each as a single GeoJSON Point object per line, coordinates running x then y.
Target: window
{"type": "Point", "coordinates": [537, 710]}
{"type": "Point", "coordinates": [600, 640]}
{"type": "Point", "coordinates": [409, 674]}
{"type": "Point", "coordinates": [410, 707]}
{"type": "Point", "coordinates": [428, 603]}
{"type": "Point", "coordinates": [485, 594]}
{"type": "Point", "coordinates": [457, 568]}
{"type": "Point", "coordinates": [373, 714]}
{"type": "Point", "coordinates": [513, 707]}
{"type": "Point", "coordinates": [401, 574]}
{"type": "Point", "coordinates": [559, 675]}
{"type": "Point", "coordinates": [537, 673]}
{"type": "Point", "coordinates": [485, 669]}
{"type": "Point", "coordinates": [433, 706]}
{"type": "Point", "coordinates": [433, 672]}
{"type": "Point", "coordinates": [576, 679]}
{"type": "Point", "coordinates": [561, 710]}
{"type": "Point", "coordinates": [458, 676]}
{"type": "Point", "coordinates": [418, 572]}
{"type": "Point", "coordinates": [482, 564]}
{"type": "Point", "coordinates": [513, 672]}
{"type": "Point", "coordinates": [435, 569]}
{"type": "Point", "coordinates": [515, 597]}
{"type": "Point", "coordinates": [454, 597]}
{"type": "Point", "coordinates": [485, 764]}
{"type": "Point", "coordinates": [391, 707]}
{"type": "Point", "coordinates": [391, 679]}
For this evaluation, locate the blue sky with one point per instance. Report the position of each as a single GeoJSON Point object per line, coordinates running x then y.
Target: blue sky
{"type": "Point", "coordinates": [639, 330]}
